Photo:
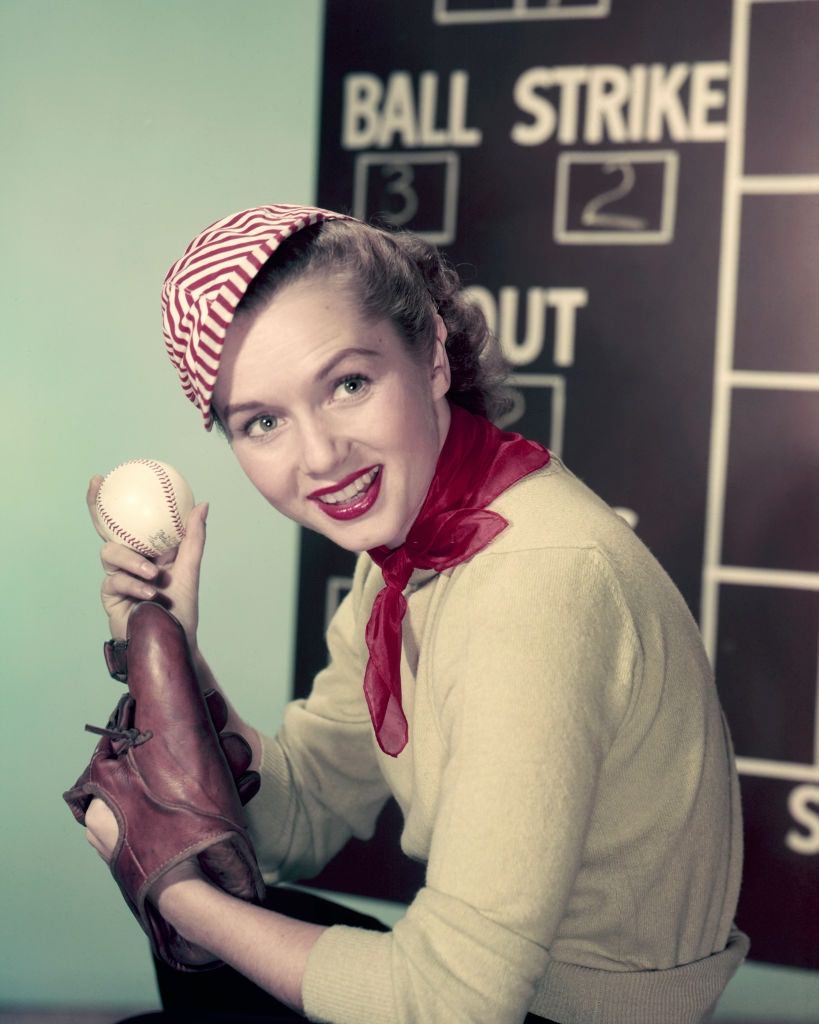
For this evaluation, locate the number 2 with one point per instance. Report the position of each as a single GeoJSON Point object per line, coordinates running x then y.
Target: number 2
{"type": "Point", "coordinates": [592, 215]}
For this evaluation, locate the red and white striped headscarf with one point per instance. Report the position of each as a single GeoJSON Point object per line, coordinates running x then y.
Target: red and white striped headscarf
{"type": "Point", "coordinates": [204, 287]}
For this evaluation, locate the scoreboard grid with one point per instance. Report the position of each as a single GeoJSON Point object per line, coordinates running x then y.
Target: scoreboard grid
{"type": "Point", "coordinates": [728, 379]}
{"type": "Point", "coordinates": [678, 369]}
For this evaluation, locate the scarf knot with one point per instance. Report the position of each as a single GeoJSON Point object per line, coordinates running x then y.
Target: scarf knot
{"type": "Point", "coordinates": [397, 567]}
{"type": "Point", "coordinates": [477, 463]}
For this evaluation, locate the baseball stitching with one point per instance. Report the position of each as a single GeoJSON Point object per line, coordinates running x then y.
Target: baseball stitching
{"type": "Point", "coordinates": [170, 498]}
{"type": "Point", "coordinates": [170, 494]}
{"type": "Point", "coordinates": [123, 535]}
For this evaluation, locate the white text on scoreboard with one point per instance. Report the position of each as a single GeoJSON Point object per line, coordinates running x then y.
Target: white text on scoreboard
{"type": "Point", "coordinates": [577, 103]}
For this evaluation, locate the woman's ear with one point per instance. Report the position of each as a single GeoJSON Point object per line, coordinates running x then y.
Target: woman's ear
{"type": "Point", "coordinates": [441, 376]}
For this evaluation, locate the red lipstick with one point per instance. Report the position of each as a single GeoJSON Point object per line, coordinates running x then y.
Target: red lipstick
{"type": "Point", "coordinates": [353, 507]}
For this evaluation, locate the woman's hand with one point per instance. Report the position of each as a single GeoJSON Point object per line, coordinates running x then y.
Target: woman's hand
{"type": "Point", "coordinates": [102, 832]}
{"type": "Point", "coordinates": [173, 580]}
{"type": "Point", "coordinates": [101, 829]}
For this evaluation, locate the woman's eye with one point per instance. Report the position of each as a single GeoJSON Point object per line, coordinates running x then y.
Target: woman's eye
{"type": "Point", "coordinates": [352, 385]}
{"type": "Point", "coordinates": [261, 425]}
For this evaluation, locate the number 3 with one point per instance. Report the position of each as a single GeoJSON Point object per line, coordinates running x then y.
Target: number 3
{"type": "Point", "coordinates": [401, 185]}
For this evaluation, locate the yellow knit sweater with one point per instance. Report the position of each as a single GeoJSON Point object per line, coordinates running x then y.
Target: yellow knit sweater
{"type": "Point", "coordinates": [569, 782]}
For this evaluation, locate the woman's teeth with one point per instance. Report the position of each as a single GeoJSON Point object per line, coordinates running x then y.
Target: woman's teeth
{"type": "Point", "coordinates": [358, 486]}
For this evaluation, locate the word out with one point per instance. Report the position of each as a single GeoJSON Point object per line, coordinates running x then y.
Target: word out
{"type": "Point", "coordinates": [503, 316]}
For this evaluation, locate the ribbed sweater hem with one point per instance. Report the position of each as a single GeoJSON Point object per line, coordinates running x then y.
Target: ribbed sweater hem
{"type": "Point", "coordinates": [679, 995]}
{"type": "Point", "coordinates": [348, 969]}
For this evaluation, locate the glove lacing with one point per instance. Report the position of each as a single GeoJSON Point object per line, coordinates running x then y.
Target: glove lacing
{"type": "Point", "coordinates": [130, 737]}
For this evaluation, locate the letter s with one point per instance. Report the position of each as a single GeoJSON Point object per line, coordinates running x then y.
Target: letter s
{"type": "Point", "coordinates": [800, 800]}
{"type": "Point", "coordinates": [530, 102]}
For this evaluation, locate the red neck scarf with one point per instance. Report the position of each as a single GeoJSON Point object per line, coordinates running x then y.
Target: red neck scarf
{"type": "Point", "coordinates": [477, 463]}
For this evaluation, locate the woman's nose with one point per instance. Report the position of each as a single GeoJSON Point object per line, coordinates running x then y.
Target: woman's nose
{"type": "Point", "coordinates": [322, 450]}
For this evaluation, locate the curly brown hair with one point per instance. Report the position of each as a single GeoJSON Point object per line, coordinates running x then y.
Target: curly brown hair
{"type": "Point", "coordinates": [402, 278]}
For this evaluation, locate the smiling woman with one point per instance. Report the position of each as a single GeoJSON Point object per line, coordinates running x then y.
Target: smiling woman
{"type": "Point", "coordinates": [512, 665]}
{"type": "Point", "coordinates": [332, 403]}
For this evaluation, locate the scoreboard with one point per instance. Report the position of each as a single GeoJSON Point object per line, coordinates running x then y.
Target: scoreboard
{"type": "Point", "coordinates": [630, 192]}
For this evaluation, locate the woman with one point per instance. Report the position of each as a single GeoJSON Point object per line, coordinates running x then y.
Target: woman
{"type": "Point", "coordinates": [511, 663]}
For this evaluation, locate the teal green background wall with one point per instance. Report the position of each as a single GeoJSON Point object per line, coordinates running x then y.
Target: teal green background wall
{"type": "Point", "coordinates": [127, 125]}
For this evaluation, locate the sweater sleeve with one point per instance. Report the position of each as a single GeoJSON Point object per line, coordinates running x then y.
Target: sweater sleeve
{"type": "Point", "coordinates": [534, 660]}
{"type": "Point", "coordinates": [321, 783]}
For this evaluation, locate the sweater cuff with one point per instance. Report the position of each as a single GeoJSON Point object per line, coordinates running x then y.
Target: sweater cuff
{"type": "Point", "coordinates": [266, 812]}
{"type": "Point", "coordinates": [348, 978]}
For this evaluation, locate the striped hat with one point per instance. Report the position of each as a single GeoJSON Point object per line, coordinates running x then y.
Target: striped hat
{"type": "Point", "coordinates": [204, 287]}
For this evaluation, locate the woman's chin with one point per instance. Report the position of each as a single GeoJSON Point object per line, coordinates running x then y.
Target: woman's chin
{"type": "Point", "coordinates": [358, 535]}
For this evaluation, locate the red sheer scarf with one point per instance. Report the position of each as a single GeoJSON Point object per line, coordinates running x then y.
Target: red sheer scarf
{"type": "Point", "coordinates": [477, 463]}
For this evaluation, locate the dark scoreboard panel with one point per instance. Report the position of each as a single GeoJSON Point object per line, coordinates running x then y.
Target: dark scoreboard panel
{"type": "Point", "coordinates": [631, 193]}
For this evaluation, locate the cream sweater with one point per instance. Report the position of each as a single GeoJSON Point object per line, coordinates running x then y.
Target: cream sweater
{"type": "Point", "coordinates": [569, 782]}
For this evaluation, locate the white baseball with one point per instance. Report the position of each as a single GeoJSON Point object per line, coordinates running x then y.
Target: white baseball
{"type": "Point", "coordinates": [144, 504]}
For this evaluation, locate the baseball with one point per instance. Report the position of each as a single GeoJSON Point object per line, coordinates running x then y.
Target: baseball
{"type": "Point", "coordinates": [144, 504]}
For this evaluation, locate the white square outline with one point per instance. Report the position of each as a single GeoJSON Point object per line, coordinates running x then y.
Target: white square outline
{"type": "Point", "coordinates": [557, 384]}
{"type": "Point", "coordinates": [518, 11]}
{"type": "Point", "coordinates": [450, 159]}
{"type": "Point", "coordinates": [661, 236]}
{"type": "Point", "coordinates": [727, 575]}
{"type": "Point", "coordinates": [334, 584]}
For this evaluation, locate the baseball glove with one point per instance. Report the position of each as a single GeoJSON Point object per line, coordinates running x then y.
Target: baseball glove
{"type": "Point", "coordinates": [174, 784]}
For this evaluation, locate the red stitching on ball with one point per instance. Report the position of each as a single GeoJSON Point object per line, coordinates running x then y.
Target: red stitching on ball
{"type": "Point", "coordinates": [170, 495]}
{"type": "Point", "coordinates": [166, 484]}
{"type": "Point", "coordinates": [123, 535]}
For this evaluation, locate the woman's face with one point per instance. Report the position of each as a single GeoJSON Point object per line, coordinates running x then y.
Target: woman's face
{"type": "Point", "coordinates": [330, 417]}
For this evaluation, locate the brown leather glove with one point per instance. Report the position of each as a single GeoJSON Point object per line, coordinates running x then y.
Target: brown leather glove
{"type": "Point", "coordinates": [173, 787]}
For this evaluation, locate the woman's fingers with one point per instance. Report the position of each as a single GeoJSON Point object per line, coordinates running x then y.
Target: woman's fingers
{"type": "Point", "coordinates": [190, 551]}
{"type": "Point", "coordinates": [101, 829]}
{"type": "Point", "coordinates": [116, 558]}
{"type": "Point", "coordinates": [179, 583]}
{"type": "Point", "coordinates": [129, 578]}
{"type": "Point", "coordinates": [92, 839]}
{"type": "Point", "coordinates": [121, 584]}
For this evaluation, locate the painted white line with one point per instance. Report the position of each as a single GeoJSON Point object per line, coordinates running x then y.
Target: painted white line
{"type": "Point", "coordinates": [777, 769]}
{"type": "Point", "coordinates": [751, 577]}
{"type": "Point", "coordinates": [726, 322]}
{"type": "Point", "coordinates": [764, 379]}
{"type": "Point", "coordinates": [779, 184]}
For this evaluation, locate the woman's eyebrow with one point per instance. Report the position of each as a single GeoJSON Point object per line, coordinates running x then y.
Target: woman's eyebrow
{"type": "Point", "coordinates": [231, 410]}
{"type": "Point", "coordinates": [323, 373]}
{"type": "Point", "coordinates": [329, 366]}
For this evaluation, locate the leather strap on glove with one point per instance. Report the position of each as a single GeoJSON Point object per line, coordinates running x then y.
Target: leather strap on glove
{"type": "Point", "coordinates": [174, 784]}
